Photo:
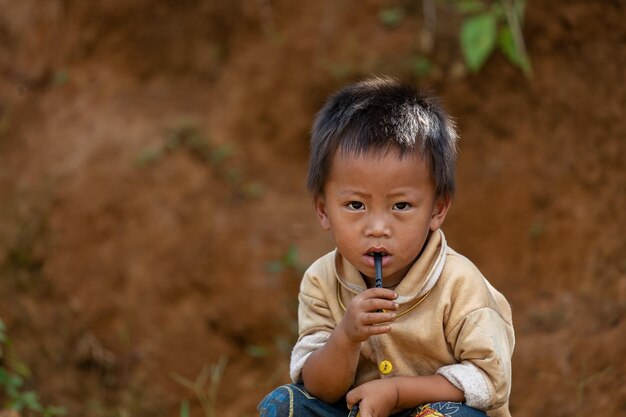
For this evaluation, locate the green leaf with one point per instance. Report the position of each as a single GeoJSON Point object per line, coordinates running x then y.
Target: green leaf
{"type": "Point", "coordinates": [421, 66]}
{"type": "Point", "coordinates": [253, 189]}
{"type": "Point", "coordinates": [257, 351]}
{"type": "Point", "coordinates": [11, 381]}
{"type": "Point", "coordinates": [510, 50]}
{"type": "Point", "coordinates": [536, 231]}
{"type": "Point", "coordinates": [4, 377]}
{"type": "Point", "coordinates": [184, 409]}
{"type": "Point", "coordinates": [291, 257]}
{"type": "Point", "coordinates": [52, 411]}
{"type": "Point", "coordinates": [391, 17]}
{"type": "Point", "coordinates": [148, 156]}
{"type": "Point", "coordinates": [507, 45]}
{"type": "Point", "coordinates": [31, 401]}
{"type": "Point", "coordinates": [221, 153]}
{"type": "Point", "coordinates": [60, 77]}
{"type": "Point", "coordinates": [478, 38]}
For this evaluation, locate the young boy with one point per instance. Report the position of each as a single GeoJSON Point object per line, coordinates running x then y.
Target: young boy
{"type": "Point", "coordinates": [437, 338]}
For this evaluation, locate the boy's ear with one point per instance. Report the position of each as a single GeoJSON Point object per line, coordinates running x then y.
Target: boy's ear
{"type": "Point", "coordinates": [320, 210]}
{"type": "Point", "coordinates": [442, 204]}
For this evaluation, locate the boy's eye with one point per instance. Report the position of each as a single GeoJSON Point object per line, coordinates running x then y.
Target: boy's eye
{"type": "Point", "coordinates": [401, 206]}
{"type": "Point", "coordinates": [355, 205]}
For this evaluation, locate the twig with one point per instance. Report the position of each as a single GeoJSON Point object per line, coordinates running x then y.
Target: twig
{"type": "Point", "coordinates": [209, 374]}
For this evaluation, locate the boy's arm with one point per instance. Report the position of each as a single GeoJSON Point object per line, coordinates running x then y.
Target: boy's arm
{"type": "Point", "coordinates": [416, 390]}
{"type": "Point", "coordinates": [382, 397]}
{"type": "Point", "coordinates": [329, 371]}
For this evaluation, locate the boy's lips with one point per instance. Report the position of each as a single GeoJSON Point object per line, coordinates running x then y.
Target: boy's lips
{"type": "Point", "coordinates": [368, 257]}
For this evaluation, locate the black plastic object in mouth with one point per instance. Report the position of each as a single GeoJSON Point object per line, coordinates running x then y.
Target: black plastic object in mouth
{"type": "Point", "coordinates": [378, 264]}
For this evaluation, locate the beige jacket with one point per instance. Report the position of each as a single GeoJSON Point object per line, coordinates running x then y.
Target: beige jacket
{"type": "Point", "coordinates": [450, 321]}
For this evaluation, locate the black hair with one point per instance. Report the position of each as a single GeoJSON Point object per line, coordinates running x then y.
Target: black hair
{"type": "Point", "coordinates": [378, 115]}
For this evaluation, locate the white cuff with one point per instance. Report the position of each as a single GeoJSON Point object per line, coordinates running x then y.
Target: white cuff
{"type": "Point", "coordinates": [301, 351]}
{"type": "Point", "coordinates": [466, 377]}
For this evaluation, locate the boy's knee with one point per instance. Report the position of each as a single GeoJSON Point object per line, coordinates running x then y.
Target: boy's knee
{"type": "Point", "coordinates": [293, 400]}
{"type": "Point", "coordinates": [278, 403]}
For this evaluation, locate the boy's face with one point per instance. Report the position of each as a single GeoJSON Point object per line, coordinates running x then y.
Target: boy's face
{"type": "Point", "coordinates": [387, 204]}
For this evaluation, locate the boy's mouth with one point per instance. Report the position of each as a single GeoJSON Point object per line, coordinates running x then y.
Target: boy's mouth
{"type": "Point", "coordinates": [383, 252]}
{"type": "Point", "coordinates": [369, 256]}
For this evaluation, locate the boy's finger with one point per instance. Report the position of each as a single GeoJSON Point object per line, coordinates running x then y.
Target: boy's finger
{"type": "Point", "coordinates": [375, 330]}
{"type": "Point", "coordinates": [379, 293]}
{"type": "Point", "coordinates": [353, 398]}
{"type": "Point", "coordinates": [377, 318]}
{"type": "Point", "coordinates": [376, 304]}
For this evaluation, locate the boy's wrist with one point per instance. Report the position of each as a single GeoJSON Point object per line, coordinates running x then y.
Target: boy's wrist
{"type": "Point", "coordinates": [344, 338]}
{"type": "Point", "coordinates": [345, 341]}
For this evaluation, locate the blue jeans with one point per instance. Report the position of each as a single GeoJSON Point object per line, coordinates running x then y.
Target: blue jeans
{"type": "Point", "coordinates": [293, 400]}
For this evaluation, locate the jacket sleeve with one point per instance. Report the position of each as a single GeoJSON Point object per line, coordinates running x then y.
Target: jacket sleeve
{"type": "Point", "coordinates": [315, 322]}
{"type": "Point", "coordinates": [301, 351]}
{"type": "Point", "coordinates": [314, 313]}
{"type": "Point", "coordinates": [482, 343]}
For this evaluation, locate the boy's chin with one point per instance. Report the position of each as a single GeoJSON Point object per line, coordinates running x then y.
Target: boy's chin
{"type": "Point", "coordinates": [367, 277]}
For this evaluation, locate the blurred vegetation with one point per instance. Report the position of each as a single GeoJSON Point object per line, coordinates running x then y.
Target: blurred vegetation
{"type": "Point", "coordinates": [219, 158]}
{"type": "Point", "coordinates": [488, 25]}
{"type": "Point", "coordinates": [205, 387]}
{"type": "Point", "coordinates": [15, 392]}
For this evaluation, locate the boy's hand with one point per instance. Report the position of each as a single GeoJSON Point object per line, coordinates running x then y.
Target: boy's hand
{"type": "Point", "coordinates": [376, 398]}
{"type": "Point", "coordinates": [365, 316]}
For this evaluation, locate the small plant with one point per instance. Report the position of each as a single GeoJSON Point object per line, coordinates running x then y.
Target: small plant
{"type": "Point", "coordinates": [60, 77]}
{"type": "Point", "coordinates": [581, 384]}
{"type": "Point", "coordinates": [536, 230]}
{"type": "Point", "coordinates": [148, 156]}
{"type": "Point", "coordinates": [205, 387]}
{"type": "Point", "coordinates": [421, 66]}
{"type": "Point", "coordinates": [391, 17]}
{"type": "Point", "coordinates": [184, 409]}
{"type": "Point", "coordinates": [288, 261]}
{"type": "Point", "coordinates": [489, 25]}
{"type": "Point", "coordinates": [13, 394]}
{"type": "Point", "coordinates": [188, 138]}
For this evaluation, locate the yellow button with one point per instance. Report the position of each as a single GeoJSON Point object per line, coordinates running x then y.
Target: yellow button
{"type": "Point", "coordinates": [385, 367]}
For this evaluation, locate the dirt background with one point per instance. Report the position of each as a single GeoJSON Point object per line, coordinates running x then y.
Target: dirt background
{"type": "Point", "coordinates": [153, 216]}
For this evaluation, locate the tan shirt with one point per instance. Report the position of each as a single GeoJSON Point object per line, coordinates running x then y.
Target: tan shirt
{"type": "Point", "coordinates": [450, 321]}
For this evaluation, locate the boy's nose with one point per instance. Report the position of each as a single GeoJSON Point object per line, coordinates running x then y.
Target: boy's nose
{"type": "Point", "coordinates": [378, 226]}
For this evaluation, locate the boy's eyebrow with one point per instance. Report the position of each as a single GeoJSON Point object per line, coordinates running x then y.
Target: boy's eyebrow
{"type": "Point", "coordinates": [401, 192]}
{"type": "Point", "coordinates": [394, 193]}
{"type": "Point", "coordinates": [351, 192]}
